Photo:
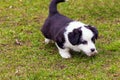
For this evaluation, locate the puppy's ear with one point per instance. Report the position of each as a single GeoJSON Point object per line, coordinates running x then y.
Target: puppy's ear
{"type": "Point", "coordinates": [75, 36]}
{"type": "Point", "coordinates": [94, 30]}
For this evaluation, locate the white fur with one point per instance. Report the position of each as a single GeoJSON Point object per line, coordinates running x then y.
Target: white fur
{"type": "Point", "coordinates": [86, 35]}
{"type": "Point", "coordinates": [64, 52]}
{"type": "Point", "coordinates": [70, 28]}
{"type": "Point", "coordinates": [47, 41]}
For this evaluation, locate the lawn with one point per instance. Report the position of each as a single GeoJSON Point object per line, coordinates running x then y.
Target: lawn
{"type": "Point", "coordinates": [24, 56]}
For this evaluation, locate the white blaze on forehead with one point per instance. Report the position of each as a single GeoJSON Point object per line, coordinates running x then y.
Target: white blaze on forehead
{"type": "Point", "coordinates": [87, 34]}
{"type": "Point", "coordinates": [74, 25]}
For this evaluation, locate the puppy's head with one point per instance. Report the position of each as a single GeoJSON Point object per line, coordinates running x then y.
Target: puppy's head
{"type": "Point", "coordinates": [83, 38]}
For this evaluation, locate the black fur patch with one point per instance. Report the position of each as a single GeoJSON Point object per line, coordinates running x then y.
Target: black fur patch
{"type": "Point", "coordinates": [93, 39]}
{"type": "Point", "coordinates": [94, 30]}
{"type": "Point", "coordinates": [60, 39]}
{"type": "Point", "coordinates": [75, 36]}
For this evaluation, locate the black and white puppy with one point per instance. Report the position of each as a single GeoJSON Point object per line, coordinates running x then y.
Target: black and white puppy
{"type": "Point", "coordinates": [68, 34]}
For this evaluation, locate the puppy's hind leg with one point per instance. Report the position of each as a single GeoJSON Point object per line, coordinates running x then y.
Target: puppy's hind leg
{"type": "Point", "coordinates": [64, 52]}
{"type": "Point", "coordinates": [47, 40]}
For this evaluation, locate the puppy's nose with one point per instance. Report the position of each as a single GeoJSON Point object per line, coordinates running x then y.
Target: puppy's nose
{"type": "Point", "coordinates": [92, 50]}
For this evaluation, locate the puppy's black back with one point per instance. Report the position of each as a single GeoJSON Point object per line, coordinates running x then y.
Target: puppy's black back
{"type": "Point", "coordinates": [55, 24]}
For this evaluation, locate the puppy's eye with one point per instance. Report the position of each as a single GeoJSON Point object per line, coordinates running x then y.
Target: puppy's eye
{"type": "Point", "coordinates": [84, 42]}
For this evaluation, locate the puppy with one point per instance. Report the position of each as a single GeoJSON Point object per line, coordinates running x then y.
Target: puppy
{"type": "Point", "coordinates": [68, 34]}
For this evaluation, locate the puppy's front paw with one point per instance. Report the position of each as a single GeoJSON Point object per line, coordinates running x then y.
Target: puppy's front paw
{"type": "Point", "coordinates": [65, 55]}
{"type": "Point", "coordinates": [64, 52]}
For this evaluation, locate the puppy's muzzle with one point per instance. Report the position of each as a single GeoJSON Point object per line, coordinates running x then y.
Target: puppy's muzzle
{"type": "Point", "coordinates": [93, 53]}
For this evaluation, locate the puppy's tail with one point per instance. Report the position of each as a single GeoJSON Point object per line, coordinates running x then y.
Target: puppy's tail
{"type": "Point", "coordinates": [53, 6]}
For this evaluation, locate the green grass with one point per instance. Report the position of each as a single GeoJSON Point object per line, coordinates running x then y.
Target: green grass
{"type": "Point", "coordinates": [24, 56]}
